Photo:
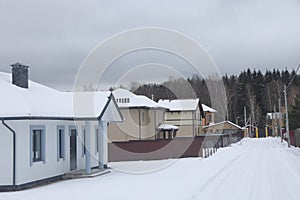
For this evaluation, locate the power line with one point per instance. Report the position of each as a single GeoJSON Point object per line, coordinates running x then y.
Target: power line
{"type": "Point", "coordinates": [293, 77]}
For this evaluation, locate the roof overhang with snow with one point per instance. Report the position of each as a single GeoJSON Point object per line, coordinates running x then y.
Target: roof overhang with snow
{"type": "Point", "coordinates": [182, 105]}
{"type": "Point", "coordinates": [40, 102]}
{"type": "Point", "coordinates": [208, 109]}
{"type": "Point", "coordinates": [127, 99]}
{"type": "Point", "coordinates": [222, 123]}
{"type": "Point", "coordinates": [167, 127]}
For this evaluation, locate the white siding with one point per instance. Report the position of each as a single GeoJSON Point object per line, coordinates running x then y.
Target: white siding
{"type": "Point", "coordinates": [39, 170]}
{"type": "Point", "coordinates": [6, 156]}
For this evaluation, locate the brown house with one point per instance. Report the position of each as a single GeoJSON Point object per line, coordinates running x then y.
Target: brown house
{"type": "Point", "coordinates": [209, 115]}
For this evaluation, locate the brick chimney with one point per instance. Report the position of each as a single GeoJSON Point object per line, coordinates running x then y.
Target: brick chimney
{"type": "Point", "coordinates": [19, 75]}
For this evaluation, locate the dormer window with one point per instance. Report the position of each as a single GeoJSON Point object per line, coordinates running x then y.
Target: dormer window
{"type": "Point", "coordinates": [123, 100]}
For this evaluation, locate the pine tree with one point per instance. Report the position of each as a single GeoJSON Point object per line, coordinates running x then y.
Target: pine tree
{"type": "Point", "coordinates": [257, 91]}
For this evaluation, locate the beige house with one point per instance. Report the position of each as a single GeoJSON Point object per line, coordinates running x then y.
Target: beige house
{"type": "Point", "coordinates": [224, 127]}
{"type": "Point", "coordinates": [187, 114]}
{"type": "Point", "coordinates": [142, 117]}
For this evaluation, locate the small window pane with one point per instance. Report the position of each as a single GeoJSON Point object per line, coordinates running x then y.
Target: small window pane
{"type": "Point", "coordinates": [61, 143]}
{"type": "Point", "coordinates": [84, 144]}
{"type": "Point", "coordinates": [37, 145]}
{"type": "Point", "coordinates": [97, 144]}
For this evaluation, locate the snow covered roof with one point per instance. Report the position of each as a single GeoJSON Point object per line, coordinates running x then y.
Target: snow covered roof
{"type": "Point", "coordinates": [208, 109]}
{"type": "Point", "coordinates": [127, 99]}
{"type": "Point", "coordinates": [219, 123]}
{"type": "Point", "coordinates": [167, 127]}
{"type": "Point", "coordinates": [41, 101]}
{"type": "Point", "coordinates": [180, 104]}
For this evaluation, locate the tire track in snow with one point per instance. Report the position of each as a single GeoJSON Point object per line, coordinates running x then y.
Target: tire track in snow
{"type": "Point", "coordinates": [240, 171]}
{"type": "Point", "coordinates": [210, 180]}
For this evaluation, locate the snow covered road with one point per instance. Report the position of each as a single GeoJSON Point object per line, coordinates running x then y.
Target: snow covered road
{"type": "Point", "coordinates": [250, 169]}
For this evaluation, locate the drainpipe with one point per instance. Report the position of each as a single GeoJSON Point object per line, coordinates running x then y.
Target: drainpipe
{"type": "Point", "coordinates": [14, 152]}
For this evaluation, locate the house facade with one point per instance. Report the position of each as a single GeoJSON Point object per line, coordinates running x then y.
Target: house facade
{"type": "Point", "coordinates": [186, 114]}
{"type": "Point", "coordinates": [142, 117]}
{"type": "Point", "coordinates": [225, 127]}
{"type": "Point", "coordinates": [44, 135]}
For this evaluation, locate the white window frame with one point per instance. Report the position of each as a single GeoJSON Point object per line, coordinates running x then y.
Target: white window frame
{"type": "Point", "coordinates": [61, 143]}
{"type": "Point", "coordinates": [41, 128]}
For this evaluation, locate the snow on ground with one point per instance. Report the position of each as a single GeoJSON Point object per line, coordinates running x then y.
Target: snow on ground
{"type": "Point", "coordinates": [250, 169]}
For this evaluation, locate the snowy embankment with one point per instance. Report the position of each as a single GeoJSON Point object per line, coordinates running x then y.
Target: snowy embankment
{"type": "Point", "coordinates": [250, 169]}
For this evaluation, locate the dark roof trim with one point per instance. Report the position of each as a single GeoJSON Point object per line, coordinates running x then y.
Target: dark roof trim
{"type": "Point", "coordinates": [49, 118]}
{"type": "Point", "coordinates": [169, 120]}
{"type": "Point", "coordinates": [144, 107]}
{"type": "Point", "coordinates": [201, 108]}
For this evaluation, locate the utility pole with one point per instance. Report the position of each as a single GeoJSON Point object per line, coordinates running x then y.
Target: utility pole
{"type": "Point", "coordinates": [227, 113]}
{"type": "Point", "coordinates": [287, 117]}
{"type": "Point", "coordinates": [245, 116]}
{"type": "Point", "coordinates": [280, 118]}
{"type": "Point", "coordinates": [280, 113]}
{"type": "Point", "coordinates": [274, 119]}
{"type": "Point", "coordinates": [245, 120]}
{"type": "Point", "coordinates": [251, 127]}
{"type": "Point", "coordinates": [252, 113]}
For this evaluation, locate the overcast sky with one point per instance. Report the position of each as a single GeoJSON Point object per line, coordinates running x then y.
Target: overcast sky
{"type": "Point", "coordinates": [54, 37]}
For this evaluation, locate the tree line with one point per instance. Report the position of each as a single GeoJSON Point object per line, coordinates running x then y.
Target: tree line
{"type": "Point", "coordinates": [260, 93]}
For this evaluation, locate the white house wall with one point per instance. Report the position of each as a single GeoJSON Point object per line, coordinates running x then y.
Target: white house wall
{"type": "Point", "coordinates": [26, 173]}
{"type": "Point", "coordinates": [6, 156]}
{"type": "Point", "coordinates": [112, 113]}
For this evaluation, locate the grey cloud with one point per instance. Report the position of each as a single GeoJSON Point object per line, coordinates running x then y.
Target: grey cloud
{"type": "Point", "coordinates": [54, 37]}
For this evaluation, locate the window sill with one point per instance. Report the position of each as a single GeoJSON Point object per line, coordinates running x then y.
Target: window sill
{"type": "Point", "coordinates": [61, 159]}
{"type": "Point", "coordinates": [38, 162]}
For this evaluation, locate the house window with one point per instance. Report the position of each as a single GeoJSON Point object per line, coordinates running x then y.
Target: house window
{"type": "Point", "coordinates": [37, 144]}
{"type": "Point", "coordinates": [84, 143]}
{"type": "Point", "coordinates": [60, 142]}
{"type": "Point", "coordinates": [123, 100]}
